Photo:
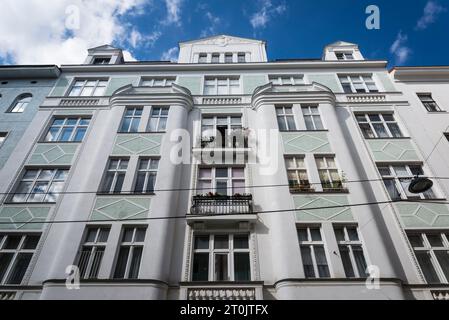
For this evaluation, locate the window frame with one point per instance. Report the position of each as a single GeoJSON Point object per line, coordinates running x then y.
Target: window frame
{"type": "Point", "coordinates": [283, 115]}
{"type": "Point", "coordinates": [328, 169]}
{"type": "Point", "coordinates": [77, 126]}
{"type": "Point", "coordinates": [109, 59]}
{"type": "Point", "coordinates": [16, 252]}
{"type": "Point", "coordinates": [213, 179]}
{"type": "Point", "coordinates": [431, 101]}
{"type": "Point", "coordinates": [133, 116]}
{"type": "Point", "coordinates": [229, 251]}
{"type": "Point", "coordinates": [84, 85]}
{"type": "Point", "coordinates": [298, 186]}
{"type": "Point", "coordinates": [430, 250]}
{"type": "Point", "coordinates": [166, 81]}
{"type": "Point", "coordinates": [20, 101]}
{"type": "Point", "coordinates": [349, 244]}
{"type": "Point", "coordinates": [312, 245]}
{"type": "Point", "coordinates": [312, 116]}
{"type": "Point", "coordinates": [294, 79]}
{"type": "Point", "coordinates": [215, 86]}
{"type": "Point", "coordinates": [132, 245]}
{"type": "Point", "coordinates": [93, 248]}
{"type": "Point", "coordinates": [360, 81]}
{"type": "Point", "coordinates": [382, 122]}
{"type": "Point", "coordinates": [240, 55]}
{"type": "Point", "coordinates": [158, 118]}
{"type": "Point", "coordinates": [344, 55]}
{"type": "Point", "coordinates": [213, 128]}
{"type": "Point", "coordinates": [117, 172]}
{"type": "Point", "coordinates": [148, 171]}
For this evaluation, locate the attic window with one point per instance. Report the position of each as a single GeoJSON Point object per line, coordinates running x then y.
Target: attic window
{"type": "Point", "coordinates": [101, 60]}
{"type": "Point", "coordinates": [344, 55]}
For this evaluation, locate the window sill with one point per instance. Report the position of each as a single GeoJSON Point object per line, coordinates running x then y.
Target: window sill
{"type": "Point", "coordinates": [437, 112]}
{"type": "Point", "coordinates": [28, 203]}
{"type": "Point", "coordinates": [140, 132]}
{"type": "Point", "coordinates": [66, 142]}
{"type": "Point", "coordinates": [342, 191]}
{"type": "Point", "coordinates": [390, 138]}
{"type": "Point", "coordinates": [322, 130]}
{"type": "Point", "coordinates": [132, 194]}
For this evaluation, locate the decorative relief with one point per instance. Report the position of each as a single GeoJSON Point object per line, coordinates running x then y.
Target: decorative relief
{"type": "Point", "coordinates": [300, 142]}
{"type": "Point", "coordinates": [53, 153]}
{"type": "Point", "coordinates": [118, 208]}
{"type": "Point", "coordinates": [221, 294]}
{"type": "Point", "coordinates": [423, 215]}
{"type": "Point", "coordinates": [17, 217]}
{"type": "Point", "coordinates": [305, 202]}
{"type": "Point", "coordinates": [392, 149]}
{"type": "Point", "coordinates": [137, 144]}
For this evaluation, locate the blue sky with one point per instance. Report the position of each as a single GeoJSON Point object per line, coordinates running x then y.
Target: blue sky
{"type": "Point", "coordinates": [409, 34]}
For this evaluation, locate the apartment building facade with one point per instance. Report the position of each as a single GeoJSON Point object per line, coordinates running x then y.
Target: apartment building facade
{"type": "Point", "coordinates": [224, 176]}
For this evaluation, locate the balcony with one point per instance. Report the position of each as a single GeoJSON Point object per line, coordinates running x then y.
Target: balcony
{"type": "Point", "coordinates": [221, 291]}
{"type": "Point", "coordinates": [203, 205]}
{"type": "Point", "coordinates": [366, 98]}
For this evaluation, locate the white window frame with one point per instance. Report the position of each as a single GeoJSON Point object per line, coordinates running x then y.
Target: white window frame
{"type": "Point", "coordinates": [228, 55]}
{"type": "Point", "coordinates": [297, 169]}
{"type": "Point", "coordinates": [240, 55]}
{"type": "Point", "coordinates": [213, 179]}
{"type": "Point", "coordinates": [229, 252]}
{"type": "Point", "coordinates": [202, 55]}
{"type": "Point", "coordinates": [96, 88]}
{"type": "Point", "coordinates": [79, 125]}
{"type": "Point", "coordinates": [162, 113]}
{"type": "Point", "coordinates": [154, 81]}
{"type": "Point", "coordinates": [210, 130]}
{"type": "Point", "coordinates": [312, 112]}
{"type": "Point", "coordinates": [430, 250]}
{"type": "Point", "coordinates": [327, 169]}
{"type": "Point", "coordinates": [428, 102]}
{"type": "Point", "coordinates": [350, 244]}
{"type": "Point", "coordinates": [150, 170]}
{"type": "Point", "coordinates": [93, 251]}
{"type": "Point", "coordinates": [349, 79]}
{"type": "Point", "coordinates": [21, 103]}
{"type": "Point", "coordinates": [132, 245]}
{"type": "Point", "coordinates": [3, 137]}
{"type": "Point", "coordinates": [401, 190]}
{"type": "Point", "coordinates": [382, 121]}
{"type": "Point", "coordinates": [345, 55]}
{"type": "Point", "coordinates": [16, 251]}
{"type": "Point", "coordinates": [312, 245]}
{"type": "Point", "coordinates": [36, 181]}
{"type": "Point", "coordinates": [116, 172]}
{"type": "Point", "coordinates": [283, 115]}
{"type": "Point", "coordinates": [133, 117]}
{"type": "Point", "coordinates": [214, 87]}
{"type": "Point", "coordinates": [286, 79]}
{"type": "Point", "coordinates": [101, 57]}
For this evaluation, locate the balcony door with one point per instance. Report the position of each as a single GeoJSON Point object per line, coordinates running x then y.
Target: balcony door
{"type": "Point", "coordinates": [215, 130]}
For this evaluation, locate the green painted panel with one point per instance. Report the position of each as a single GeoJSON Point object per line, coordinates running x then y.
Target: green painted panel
{"type": "Point", "coordinates": [61, 86]}
{"type": "Point", "coordinates": [137, 144]}
{"type": "Point", "coordinates": [386, 81]}
{"type": "Point", "coordinates": [121, 208]}
{"type": "Point", "coordinates": [53, 153]}
{"type": "Point", "coordinates": [329, 80]}
{"type": "Point", "coordinates": [15, 217]}
{"type": "Point", "coordinates": [251, 82]}
{"type": "Point", "coordinates": [192, 83]}
{"type": "Point", "coordinates": [423, 215]}
{"type": "Point", "coordinates": [305, 202]}
{"type": "Point", "coordinates": [392, 150]}
{"type": "Point", "coordinates": [116, 83]}
{"type": "Point", "coordinates": [307, 141]}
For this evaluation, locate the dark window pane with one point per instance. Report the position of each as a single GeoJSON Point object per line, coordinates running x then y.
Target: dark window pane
{"type": "Point", "coordinates": [302, 234]}
{"type": "Point", "coordinates": [316, 234]}
{"type": "Point", "coordinates": [31, 242]}
{"type": "Point", "coordinates": [321, 261]}
{"type": "Point", "coordinates": [140, 235]}
{"type": "Point", "coordinates": [307, 262]}
{"type": "Point", "coordinates": [282, 124]}
{"type": "Point", "coordinates": [79, 135]}
{"type": "Point", "coordinates": [135, 263]}
{"type": "Point", "coordinates": [19, 268]}
{"type": "Point", "coordinates": [242, 269]}
{"type": "Point", "coordinates": [202, 242]}
{"type": "Point", "coordinates": [12, 242]}
{"type": "Point", "coordinates": [339, 234]}
{"type": "Point", "coordinates": [140, 181]}
{"type": "Point", "coordinates": [416, 240]}
{"type": "Point", "coordinates": [5, 260]}
{"type": "Point", "coordinates": [221, 242]}
{"type": "Point", "coordinates": [346, 260]}
{"type": "Point", "coordinates": [104, 234]}
{"type": "Point", "coordinates": [221, 267]}
{"type": "Point", "coordinates": [352, 234]}
{"type": "Point", "coordinates": [119, 183]}
{"type": "Point", "coordinates": [443, 260]}
{"type": "Point", "coordinates": [125, 125]}
{"type": "Point", "coordinates": [65, 134]}
{"type": "Point", "coordinates": [134, 125]}
{"type": "Point", "coordinates": [427, 267]}
{"type": "Point", "coordinates": [360, 260]}
{"type": "Point", "coordinates": [122, 259]}
{"type": "Point", "coordinates": [200, 267]}
{"type": "Point", "coordinates": [96, 262]}
{"type": "Point", "coordinates": [108, 182]}
{"type": "Point", "coordinates": [241, 241]}
{"type": "Point", "coordinates": [435, 240]}
{"type": "Point", "coordinates": [394, 129]}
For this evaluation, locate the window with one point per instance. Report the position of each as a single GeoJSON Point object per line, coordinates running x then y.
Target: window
{"type": "Point", "coordinates": [115, 175]}
{"type": "Point", "coordinates": [241, 57]}
{"type": "Point", "coordinates": [286, 120]}
{"type": "Point", "coordinates": [131, 120]}
{"type": "Point", "coordinates": [215, 57]}
{"type": "Point", "coordinates": [158, 119]}
{"type": "Point", "coordinates": [16, 251]}
{"type": "Point", "coordinates": [221, 180]}
{"type": "Point", "coordinates": [229, 256]}
{"type": "Point", "coordinates": [344, 55]}
{"type": "Point", "coordinates": [146, 175]}
{"type": "Point", "coordinates": [218, 131]}
{"type": "Point", "coordinates": [297, 174]}
{"type": "Point", "coordinates": [285, 80]}
{"type": "Point", "coordinates": [40, 185]}
{"type": "Point", "coordinates": [312, 118]}
{"type": "Point", "coordinates": [228, 57]}
{"type": "Point", "coordinates": [312, 252]}
{"type": "Point", "coordinates": [85, 88]}
{"type": "Point", "coordinates": [358, 84]}
{"type": "Point", "coordinates": [68, 129]}
{"type": "Point", "coordinates": [202, 58]}
{"type": "Point", "coordinates": [158, 82]}
{"type": "Point", "coordinates": [328, 172]}
{"type": "Point", "coordinates": [397, 178]}
{"type": "Point", "coordinates": [130, 253]}
{"type": "Point", "coordinates": [432, 252]}
{"type": "Point", "coordinates": [20, 103]}
{"type": "Point", "coordinates": [375, 125]}
{"type": "Point", "coordinates": [351, 251]}
{"type": "Point", "coordinates": [101, 60]}
{"type": "Point", "coordinates": [92, 251]}
{"type": "Point", "coordinates": [3, 137]}
{"type": "Point", "coordinates": [428, 102]}
{"type": "Point", "coordinates": [221, 85]}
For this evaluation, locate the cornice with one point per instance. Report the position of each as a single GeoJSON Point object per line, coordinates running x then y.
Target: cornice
{"type": "Point", "coordinates": [269, 94]}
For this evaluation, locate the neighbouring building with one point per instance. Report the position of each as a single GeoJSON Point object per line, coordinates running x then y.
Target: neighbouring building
{"type": "Point", "coordinates": [228, 176]}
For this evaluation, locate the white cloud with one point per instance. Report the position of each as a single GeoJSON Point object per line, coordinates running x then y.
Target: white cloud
{"type": "Point", "coordinates": [173, 12]}
{"type": "Point", "coordinates": [137, 39]}
{"type": "Point", "coordinates": [431, 12]}
{"type": "Point", "coordinates": [61, 31]}
{"type": "Point", "coordinates": [265, 13]}
{"type": "Point", "coordinates": [399, 48]}
{"type": "Point", "coordinates": [214, 22]}
{"type": "Point", "coordinates": [170, 55]}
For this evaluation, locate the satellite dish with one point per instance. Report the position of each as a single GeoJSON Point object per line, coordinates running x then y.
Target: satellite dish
{"type": "Point", "coordinates": [420, 185]}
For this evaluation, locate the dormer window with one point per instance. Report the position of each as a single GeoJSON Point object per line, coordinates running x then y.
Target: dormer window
{"type": "Point", "coordinates": [101, 60]}
{"type": "Point", "coordinates": [241, 57]}
{"type": "Point", "coordinates": [344, 55]}
{"type": "Point", "coordinates": [202, 58]}
{"type": "Point", "coordinates": [228, 57]}
{"type": "Point", "coordinates": [215, 57]}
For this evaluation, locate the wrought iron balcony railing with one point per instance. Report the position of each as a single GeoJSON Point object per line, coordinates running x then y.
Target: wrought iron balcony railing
{"type": "Point", "coordinates": [221, 205]}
